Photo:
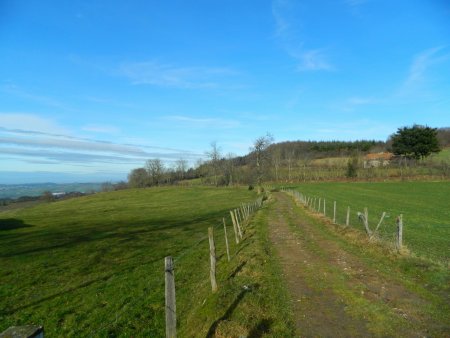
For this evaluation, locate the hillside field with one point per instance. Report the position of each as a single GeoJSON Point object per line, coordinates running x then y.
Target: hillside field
{"type": "Point", "coordinates": [94, 266]}
{"type": "Point", "coordinates": [424, 205]}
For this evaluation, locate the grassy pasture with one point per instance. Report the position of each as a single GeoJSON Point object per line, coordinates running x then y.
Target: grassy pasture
{"type": "Point", "coordinates": [424, 205]}
{"type": "Point", "coordinates": [442, 156]}
{"type": "Point", "coordinates": [93, 266]}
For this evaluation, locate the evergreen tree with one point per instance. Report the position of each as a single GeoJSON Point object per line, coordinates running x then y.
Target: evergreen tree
{"type": "Point", "coordinates": [415, 142]}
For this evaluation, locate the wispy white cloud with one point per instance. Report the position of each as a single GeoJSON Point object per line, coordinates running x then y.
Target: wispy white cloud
{"type": "Point", "coordinates": [58, 157]}
{"type": "Point", "coordinates": [292, 41]}
{"type": "Point", "coordinates": [315, 59]}
{"type": "Point", "coordinates": [356, 102]}
{"type": "Point", "coordinates": [78, 145]}
{"type": "Point", "coordinates": [422, 62]}
{"type": "Point", "coordinates": [45, 140]}
{"type": "Point", "coordinates": [204, 122]}
{"type": "Point", "coordinates": [167, 75]}
{"type": "Point", "coordinates": [281, 23]}
{"type": "Point", "coordinates": [30, 122]}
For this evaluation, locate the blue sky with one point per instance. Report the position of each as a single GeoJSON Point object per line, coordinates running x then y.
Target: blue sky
{"type": "Point", "coordinates": [91, 89]}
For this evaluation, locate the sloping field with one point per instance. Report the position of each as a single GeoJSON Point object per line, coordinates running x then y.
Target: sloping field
{"type": "Point", "coordinates": [93, 266]}
{"type": "Point", "coordinates": [424, 205]}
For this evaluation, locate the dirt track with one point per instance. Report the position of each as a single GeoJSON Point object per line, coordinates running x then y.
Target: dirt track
{"type": "Point", "coordinates": [334, 292]}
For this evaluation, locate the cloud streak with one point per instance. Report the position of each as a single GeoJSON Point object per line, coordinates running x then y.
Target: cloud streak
{"type": "Point", "coordinates": [315, 59]}
{"type": "Point", "coordinates": [46, 144]}
{"type": "Point", "coordinates": [422, 62]}
{"type": "Point", "coordinates": [30, 122]}
{"type": "Point", "coordinates": [307, 59]}
{"type": "Point", "coordinates": [167, 75]}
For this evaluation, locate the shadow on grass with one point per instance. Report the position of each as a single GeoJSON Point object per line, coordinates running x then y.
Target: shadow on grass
{"type": "Point", "coordinates": [12, 224]}
{"type": "Point", "coordinates": [237, 270]}
{"type": "Point", "coordinates": [261, 328]}
{"type": "Point", "coordinates": [230, 310]}
{"type": "Point", "coordinates": [74, 234]}
{"type": "Point", "coordinates": [77, 287]}
{"type": "Point", "coordinates": [242, 247]}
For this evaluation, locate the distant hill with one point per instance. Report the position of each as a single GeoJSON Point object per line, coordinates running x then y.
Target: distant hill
{"type": "Point", "coordinates": [18, 190]}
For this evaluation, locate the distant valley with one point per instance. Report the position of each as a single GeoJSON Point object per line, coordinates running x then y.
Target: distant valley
{"type": "Point", "coordinates": [37, 189]}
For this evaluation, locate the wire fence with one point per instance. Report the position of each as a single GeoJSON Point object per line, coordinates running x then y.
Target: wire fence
{"type": "Point", "coordinates": [242, 216]}
{"type": "Point", "coordinates": [381, 229]}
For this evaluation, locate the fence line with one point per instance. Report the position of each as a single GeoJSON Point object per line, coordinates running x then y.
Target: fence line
{"type": "Point", "coordinates": [309, 203]}
{"type": "Point", "coordinates": [170, 317]}
{"type": "Point", "coordinates": [247, 211]}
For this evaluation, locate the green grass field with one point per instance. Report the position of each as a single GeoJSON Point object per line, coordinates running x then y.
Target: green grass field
{"type": "Point", "coordinates": [94, 266]}
{"type": "Point", "coordinates": [424, 205]}
{"type": "Point", "coordinates": [442, 156]}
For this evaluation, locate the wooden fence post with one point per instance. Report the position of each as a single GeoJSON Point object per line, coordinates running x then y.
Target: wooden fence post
{"type": "Point", "coordinates": [366, 222]}
{"type": "Point", "coordinates": [171, 312]}
{"type": "Point", "coordinates": [324, 208]}
{"type": "Point", "coordinates": [334, 212]}
{"type": "Point", "coordinates": [320, 200]}
{"type": "Point", "coordinates": [238, 215]}
{"type": "Point", "coordinates": [234, 227]}
{"type": "Point", "coordinates": [400, 232]}
{"type": "Point", "coordinates": [226, 238]}
{"type": "Point", "coordinates": [347, 220]}
{"type": "Point", "coordinates": [238, 225]}
{"type": "Point", "coordinates": [212, 255]}
{"type": "Point", "coordinates": [29, 331]}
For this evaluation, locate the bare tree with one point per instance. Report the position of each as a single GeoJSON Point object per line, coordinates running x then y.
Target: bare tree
{"type": "Point", "coordinates": [276, 160]}
{"type": "Point", "coordinates": [229, 170]}
{"type": "Point", "coordinates": [290, 159]}
{"type": "Point", "coordinates": [181, 166]}
{"type": "Point", "coordinates": [214, 158]}
{"type": "Point", "coordinates": [259, 149]}
{"type": "Point", "coordinates": [138, 178]}
{"type": "Point", "coordinates": [155, 170]}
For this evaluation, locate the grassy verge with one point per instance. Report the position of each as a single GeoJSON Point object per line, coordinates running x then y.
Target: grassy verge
{"type": "Point", "coordinates": [251, 300]}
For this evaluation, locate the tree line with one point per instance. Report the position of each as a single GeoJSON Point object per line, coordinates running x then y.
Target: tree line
{"type": "Point", "coordinates": [267, 160]}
